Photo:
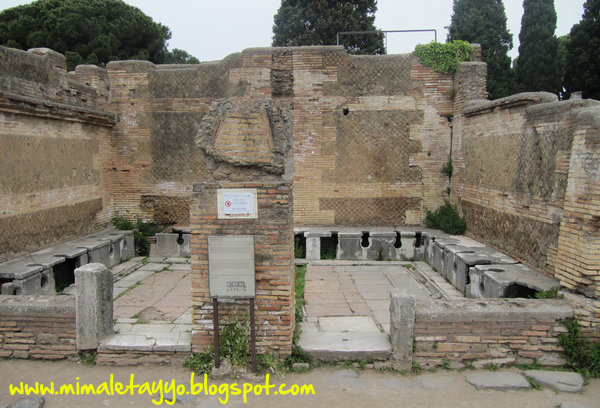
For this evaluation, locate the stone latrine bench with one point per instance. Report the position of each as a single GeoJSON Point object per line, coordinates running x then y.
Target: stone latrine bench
{"type": "Point", "coordinates": [175, 244]}
{"type": "Point", "coordinates": [479, 271]}
{"type": "Point", "coordinates": [45, 271]}
{"type": "Point", "coordinates": [364, 244]}
{"type": "Point", "coordinates": [506, 281]}
{"type": "Point", "coordinates": [475, 269]}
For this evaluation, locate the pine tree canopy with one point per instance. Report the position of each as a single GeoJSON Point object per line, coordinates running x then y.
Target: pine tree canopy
{"type": "Point", "coordinates": [88, 31]}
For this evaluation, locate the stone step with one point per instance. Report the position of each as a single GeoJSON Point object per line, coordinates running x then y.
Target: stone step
{"type": "Point", "coordinates": [329, 346]}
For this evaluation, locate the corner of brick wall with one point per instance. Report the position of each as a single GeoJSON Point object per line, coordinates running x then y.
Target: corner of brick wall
{"type": "Point", "coordinates": [578, 257]}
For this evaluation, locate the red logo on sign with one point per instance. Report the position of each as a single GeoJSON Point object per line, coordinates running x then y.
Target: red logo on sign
{"type": "Point", "coordinates": [227, 203]}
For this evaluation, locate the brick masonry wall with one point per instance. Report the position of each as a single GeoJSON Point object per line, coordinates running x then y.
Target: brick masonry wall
{"type": "Point", "coordinates": [511, 161]}
{"type": "Point", "coordinates": [124, 358]}
{"type": "Point", "coordinates": [274, 266]}
{"type": "Point", "coordinates": [54, 147]}
{"type": "Point", "coordinates": [503, 332]}
{"type": "Point", "coordinates": [370, 136]}
{"type": "Point", "coordinates": [376, 165]}
{"type": "Point", "coordinates": [578, 258]}
{"type": "Point", "coordinates": [38, 327]}
{"type": "Point", "coordinates": [155, 159]}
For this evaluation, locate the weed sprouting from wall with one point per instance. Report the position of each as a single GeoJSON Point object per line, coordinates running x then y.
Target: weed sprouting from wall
{"type": "Point", "coordinates": [448, 168]}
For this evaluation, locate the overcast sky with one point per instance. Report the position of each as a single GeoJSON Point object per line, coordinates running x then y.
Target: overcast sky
{"type": "Point", "coordinates": [211, 30]}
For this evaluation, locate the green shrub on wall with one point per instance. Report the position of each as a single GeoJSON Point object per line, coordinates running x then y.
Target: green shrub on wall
{"type": "Point", "coordinates": [141, 232]}
{"type": "Point", "coordinates": [444, 58]}
{"type": "Point", "coordinates": [447, 219]}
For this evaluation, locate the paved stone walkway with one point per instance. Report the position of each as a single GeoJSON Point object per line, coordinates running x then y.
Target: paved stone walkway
{"type": "Point", "coordinates": [151, 306]}
{"type": "Point", "coordinates": [348, 306]}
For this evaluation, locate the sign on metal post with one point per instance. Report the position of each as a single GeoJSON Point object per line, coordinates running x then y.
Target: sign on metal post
{"type": "Point", "coordinates": [231, 266]}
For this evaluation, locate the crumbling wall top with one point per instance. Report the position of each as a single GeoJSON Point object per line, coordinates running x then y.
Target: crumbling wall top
{"type": "Point", "coordinates": [477, 107]}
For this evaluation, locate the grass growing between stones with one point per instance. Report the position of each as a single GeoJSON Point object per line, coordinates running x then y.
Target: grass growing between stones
{"type": "Point", "coordinates": [534, 384]}
{"type": "Point", "coordinates": [88, 357]}
{"type": "Point", "coordinates": [300, 284]}
{"type": "Point", "coordinates": [553, 293]}
{"type": "Point", "coordinates": [582, 353]}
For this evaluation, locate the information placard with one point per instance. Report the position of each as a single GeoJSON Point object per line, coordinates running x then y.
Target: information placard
{"type": "Point", "coordinates": [237, 203]}
{"type": "Point", "coordinates": [231, 266]}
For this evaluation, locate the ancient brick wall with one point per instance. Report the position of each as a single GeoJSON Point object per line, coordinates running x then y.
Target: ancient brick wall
{"type": "Point", "coordinates": [577, 262]}
{"type": "Point", "coordinates": [511, 159]}
{"type": "Point", "coordinates": [526, 180]}
{"type": "Point", "coordinates": [369, 133]}
{"type": "Point", "coordinates": [503, 332]}
{"type": "Point", "coordinates": [54, 147]}
{"type": "Point", "coordinates": [155, 156]}
{"type": "Point", "coordinates": [40, 328]}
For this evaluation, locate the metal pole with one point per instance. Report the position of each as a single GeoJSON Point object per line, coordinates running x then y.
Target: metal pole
{"type": "Point", "coordinates": [252, 336]}
{"type": "Point", "coordinates": [386, 33]}
{"type": "Point", "coordinates": [216, 332]}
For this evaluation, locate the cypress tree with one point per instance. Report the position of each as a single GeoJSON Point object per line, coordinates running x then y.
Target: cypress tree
{"type": "Point", "coordinates": [583, 53]}
{"type": "Point", "coordinates": [484, 22]}
{"type": "Point", "coordinates": [538, 65]}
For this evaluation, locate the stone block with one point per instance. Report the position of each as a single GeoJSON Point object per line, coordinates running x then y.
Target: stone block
{"type": "Point", "coordinates": [349, 246]}
{"type": "Point", "coordinates": [402, 326]}
{"type": "Point", "coordinates": [407, 246]}
{"type": "Point", "coordinates": [557, 380]}
{"type": "Point", "coordinates": [438, 253]}
{"type": "Point", "coordinates": [94, 305]}
{"type": "Point", "coordinates": [100, 254]}
{"type": "Point", "coordinates": [32, 285]}
{"type": "Point", "coordinates": [169, 245]}
{"type": "Point", "coordinates": [7, 289]}
{"type": "Point", "coordinates": [449, 265]}
{"type": "Point", "coordinates": [486, 256]}
{"type": "Point", "coordinates": [329, 346]}
{"type": "Point", "coordinates": [381, 246]}
{"type": "Point", "coordinates": [47, 284]}
{"type": "Point", "coordinates": [313, 244]}
{"type": "Point", "coordinates": [502, 381]}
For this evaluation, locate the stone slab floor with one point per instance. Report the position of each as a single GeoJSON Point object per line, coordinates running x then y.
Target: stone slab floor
{"type": "Point", "coordinates": [152, 305]}
{"type": "Point", "coordinates": [347, 308]}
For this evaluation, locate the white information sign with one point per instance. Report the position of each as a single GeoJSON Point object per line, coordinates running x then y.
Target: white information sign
{"type": "Point", "coordinates": [231, 272]}
{"type": "Point", "coordinates": [237, 203]}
